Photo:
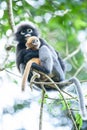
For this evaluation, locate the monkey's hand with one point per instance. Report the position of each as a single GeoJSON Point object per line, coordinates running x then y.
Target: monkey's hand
{"type": "Point", "coordinates": [30, 54]}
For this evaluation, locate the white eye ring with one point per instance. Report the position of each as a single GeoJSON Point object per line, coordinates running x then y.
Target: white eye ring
{"type": "Point", "coordinates": [22, 33]}
{"type": "Point", "coordinates": [29, 30]}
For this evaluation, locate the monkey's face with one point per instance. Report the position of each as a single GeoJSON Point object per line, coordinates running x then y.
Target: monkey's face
{"type": "Point", "coordinates": [33, 43]}
{"type": "Point", "coordinates": [25, 30]}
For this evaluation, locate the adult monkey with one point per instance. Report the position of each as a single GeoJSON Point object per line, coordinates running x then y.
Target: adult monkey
{"type": "Point", "coordinates": [48, 60]}
{"type": "Point", "coordinates": [25, 30]}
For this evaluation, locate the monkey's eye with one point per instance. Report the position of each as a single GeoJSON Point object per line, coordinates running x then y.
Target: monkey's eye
{"type": "Point", "coordinates": [29, 30]}
{"type": "Point", "coordinates": [22, 33]}
{"type": "Point", "coordinates": [35, 41]}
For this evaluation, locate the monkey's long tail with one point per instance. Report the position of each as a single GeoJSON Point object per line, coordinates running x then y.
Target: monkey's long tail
{"type": "Point", "coordinates": [26, 73]}
{"type": "Point", "coordinates": [80, 97]}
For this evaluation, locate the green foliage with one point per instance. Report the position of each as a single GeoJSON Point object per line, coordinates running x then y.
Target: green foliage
{"type": "Point", "coordinates": [78, 120]}
{"type": "Point", "coordinates": [64, 107]}
{"type": "Point", "coordinates": [63, 103]}
{"type": "Point", "coordinates": [10, 65]}
{"type": "Point", "coordinates": [59, 22]}
{"type": "Point", "coordinates": [45, 101]}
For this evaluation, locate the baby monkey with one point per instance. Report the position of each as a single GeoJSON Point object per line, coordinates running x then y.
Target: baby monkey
{"type": "Point", "coordinates": [34, 44]}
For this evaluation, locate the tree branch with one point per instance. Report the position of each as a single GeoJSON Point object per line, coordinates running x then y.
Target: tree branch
{"type": "Point", "coordinates": [41, 109]}
{"type": "Point", "coordinates": [11, 18]}
{"type": "Point", "coordinates": [69, 111]}
{"type": "Point", "coordinates": [79, 69]}
{"type": "Point", "coordinates": [72, 54]}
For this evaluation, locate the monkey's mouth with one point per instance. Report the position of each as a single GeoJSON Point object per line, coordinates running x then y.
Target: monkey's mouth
{"type": "Point", "coordinates": [35, 44]}
{"type": "Point", "coordinates": [27, 36]}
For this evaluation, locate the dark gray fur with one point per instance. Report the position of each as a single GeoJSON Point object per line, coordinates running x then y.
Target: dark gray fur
{"type": "Point", "coordinates": [49, 60]}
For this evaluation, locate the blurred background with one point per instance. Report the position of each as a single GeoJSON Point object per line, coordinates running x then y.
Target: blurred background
{"type": "Point", "coordinates": [63, 24]}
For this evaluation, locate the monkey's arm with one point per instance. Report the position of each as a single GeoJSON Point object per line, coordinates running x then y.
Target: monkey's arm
{"type": "Point", "coordinates": [30, 54]}
{"type": "Point", "coordinates": [23, 56]}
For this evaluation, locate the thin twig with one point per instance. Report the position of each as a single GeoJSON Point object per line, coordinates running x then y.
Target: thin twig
{"type": "Point", "coordinates": [13, 73]}
{"type": "Point", "coordinates": [41, 109]}
{"type": "Point", "coordinates": [11, 18]}
{"type": "Point", "coordinates": [35, 75]}
{"type": "Point", "coordinates": [5, 60]}
{"type": "Point", "coordinates": [79, 69]}
{"type": "Point", "coordinates": [72, 54]}
{"type": "Point", "coordinates": [59, 100]}
{"type": "Point", "coordinates": [67, 47]}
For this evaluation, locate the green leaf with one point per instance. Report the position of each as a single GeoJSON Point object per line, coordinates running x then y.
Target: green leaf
{"type": "Point", "coordinates": [78, 120]}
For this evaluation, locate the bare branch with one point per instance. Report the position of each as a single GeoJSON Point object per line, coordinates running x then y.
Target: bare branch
{"type": "Point", "coordinates": [11, 18]}
{"type": "Point", "coordinates": [72, 54]}
{"type": "Point", "coordinates": [2, 66]}
{"type": "Point", "coordinates": [12, 73]}
{"type": "Point", "coordinates": [41, 109]}
{"type": "Point", "coordinates": [79, 69]}
{"type": "Point", "coordinates": [35, 75]}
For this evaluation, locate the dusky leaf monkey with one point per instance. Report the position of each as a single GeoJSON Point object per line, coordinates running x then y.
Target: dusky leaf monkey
{"type": "Point", "coordinates": [47, 60]}
{"type": "Point", "coordinates": [23, 55]}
